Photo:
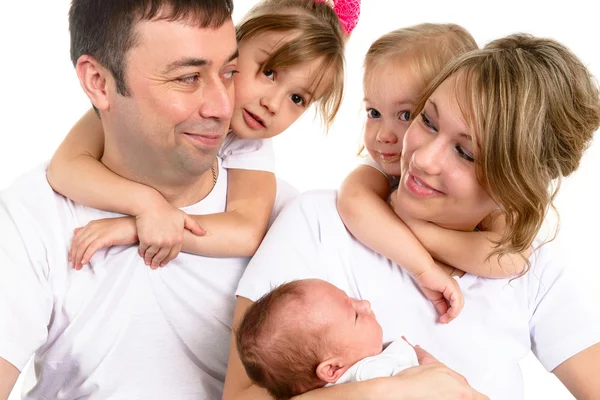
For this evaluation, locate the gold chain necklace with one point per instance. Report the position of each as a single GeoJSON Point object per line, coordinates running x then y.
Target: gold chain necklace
{"type": "Point", "coordinates": [214, 173]}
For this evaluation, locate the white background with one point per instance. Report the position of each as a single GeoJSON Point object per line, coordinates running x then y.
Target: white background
{"type": "Point", "coordinates": [40, 99]}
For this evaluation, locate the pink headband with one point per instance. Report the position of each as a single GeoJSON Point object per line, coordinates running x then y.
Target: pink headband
{"type": "Point", "coordinates": [347, 11]}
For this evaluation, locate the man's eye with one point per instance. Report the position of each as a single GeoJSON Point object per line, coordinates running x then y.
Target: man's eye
{"type": "Point", "coordinates": [188, 79]}
{"type": "Point", "coordinates": [373, 113]}
{"type": "Point", "coordinates": [230, 74]}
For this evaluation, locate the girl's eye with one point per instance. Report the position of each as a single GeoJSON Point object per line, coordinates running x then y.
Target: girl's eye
{"type": "Point", "coordinates": [373, 113]}
{"type": "Point", "coordinates": [404, 116]}
{"type": "Point", "coordinates": [189, 79]}
{"type": "Point", "coordinates": [464, 153]}
{"type": "Point", "coordinates": [269, 73]}
{"type": "Point", "coordinates": [297, 99]}
{"type": "Point", "coordinates": [427, 122]}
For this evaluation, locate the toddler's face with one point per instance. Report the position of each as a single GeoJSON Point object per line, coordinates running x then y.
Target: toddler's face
{"type": "Point", "coordinates": [352, 328]}
{"type": "Point", "coordinates": [391, 91]}
{"type": "Point", "coordinates": [267, 102]}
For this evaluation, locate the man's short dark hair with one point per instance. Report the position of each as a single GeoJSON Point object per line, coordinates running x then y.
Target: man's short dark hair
{"type": "Point", "coordinates": [104, 29]}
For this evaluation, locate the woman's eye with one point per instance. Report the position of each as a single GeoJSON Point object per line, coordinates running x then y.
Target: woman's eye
{"type": "Point", "coordinates": [427, 122]}
{"type": "Point", "coordinates": [373, 113]}
{"type": "Point", "coordinates": [464, 154]}
{"type": "Point", "coordinates": [404, 116]}
{"type": "Point", "coordinates": [297, 99]}
{"type": "Point", "coordinates": [269, 73]}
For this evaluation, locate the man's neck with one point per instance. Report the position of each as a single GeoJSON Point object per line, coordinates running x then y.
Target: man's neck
{"type": "Point", "coordinates": [180, 189]}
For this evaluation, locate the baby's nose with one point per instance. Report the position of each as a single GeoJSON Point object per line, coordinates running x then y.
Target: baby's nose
{"type": "Point", "coordinates": [364, 306]}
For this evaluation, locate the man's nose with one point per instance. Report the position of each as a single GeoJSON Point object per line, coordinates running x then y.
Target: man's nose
{"type": "Point", "coordinates": [217, 100]}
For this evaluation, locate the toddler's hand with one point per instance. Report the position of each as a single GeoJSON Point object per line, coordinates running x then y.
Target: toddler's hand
{"type": "Point", "coordinates": [443, 291]}
{"type": "Point", "coordinates": [99, 234]}
{"type": "Point", "coordinates": [160, 232]}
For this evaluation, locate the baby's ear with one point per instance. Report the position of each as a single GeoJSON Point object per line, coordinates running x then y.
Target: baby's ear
{"type": "Point", "coordinates": [332, 369]}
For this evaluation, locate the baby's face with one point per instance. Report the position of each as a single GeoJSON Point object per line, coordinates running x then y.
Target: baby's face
{"type": "Point", "coordinates": [391, 91]}
{"type": "Point", "coordinates": [352, 329]}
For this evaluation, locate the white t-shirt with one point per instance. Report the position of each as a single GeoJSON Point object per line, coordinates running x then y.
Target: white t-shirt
{"type": "Point", "coordinates": [545, 311]}
{"type": "Point", "coordinates": [395, 358]}
{"type": "Point", "coordinates": [116, 329]}
{"type": "Point", "coordinates": [368, 160]}
{"type": "Point", "coordinates": [251, 154]}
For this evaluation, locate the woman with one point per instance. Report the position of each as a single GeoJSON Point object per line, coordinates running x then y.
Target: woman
{"type": "Point", "coordinates": [490, 135]}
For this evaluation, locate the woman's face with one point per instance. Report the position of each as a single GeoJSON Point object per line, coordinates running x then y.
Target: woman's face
{"type": "Point", "coordinates": [439, 182]}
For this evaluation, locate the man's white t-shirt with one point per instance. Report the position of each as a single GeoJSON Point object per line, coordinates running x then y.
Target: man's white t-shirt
{"type": "Point", "coordinates": [545, 311]}
{"type": "Point", "coordinates": [115, 329]}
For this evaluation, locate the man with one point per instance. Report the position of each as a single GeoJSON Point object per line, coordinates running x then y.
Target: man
{"type": "Point", "coordinates": [159, 73]}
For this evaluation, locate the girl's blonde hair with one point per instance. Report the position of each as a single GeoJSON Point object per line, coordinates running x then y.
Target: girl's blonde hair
{"type": "Point", "coordinates": [533, 108]}
{"type": "Point", "coordinates": [318, 34]}
{"type": "Point", "coordinates": [425, 48]}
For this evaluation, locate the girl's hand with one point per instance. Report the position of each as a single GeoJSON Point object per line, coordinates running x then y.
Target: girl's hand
{"type": "Point", "coordinates": [443, 291]}
{"type": "Point", "coordinates": [160, 232]}
{"type": "Point", "coordinates": [99, 234]}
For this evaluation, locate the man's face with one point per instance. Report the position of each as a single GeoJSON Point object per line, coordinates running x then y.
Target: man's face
{"type": "Point", "coordinates": [180, 80]}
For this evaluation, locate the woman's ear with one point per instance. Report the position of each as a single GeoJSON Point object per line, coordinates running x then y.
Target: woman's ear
{"type": "Point", "coordinates": [331, 370]}
{"type": "Point", "coordinates": [94, 80]}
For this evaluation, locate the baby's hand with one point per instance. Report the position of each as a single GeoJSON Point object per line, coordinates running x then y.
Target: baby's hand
{"type": "Point", "coordinates": [160, 232]}
{"type": "Point", "coordinates": [99, 234]}
{"type": "Point", "coordinates": [443, 291]}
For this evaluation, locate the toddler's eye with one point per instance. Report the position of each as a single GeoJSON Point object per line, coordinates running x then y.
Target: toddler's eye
{"type": "Point", "coordinates": [297, 99]}
{"type": "Point", "coordinates": [373, 113]}
{"type": "Point", "coordinates": [404, 116]}
{"type": "Point", "coordinates": [269, 73]}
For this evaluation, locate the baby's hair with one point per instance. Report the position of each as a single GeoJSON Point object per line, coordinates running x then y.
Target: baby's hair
{"type": "Point", "coordinates": [533, 107]}
{"type": "Point", "coordinates": [425, 48]}
{"type": "Point", "coordinates": [317, 34]}
{"type": "Point", "coordinates": [276, 354]}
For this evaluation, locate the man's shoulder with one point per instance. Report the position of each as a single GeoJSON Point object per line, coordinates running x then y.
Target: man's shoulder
{"type": "Point", "coordinates": [28, 189]}
{"type": "Point", "coordinates": [30, 198]}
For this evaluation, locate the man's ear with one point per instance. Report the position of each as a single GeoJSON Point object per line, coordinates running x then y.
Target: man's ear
{"type": "Point", "coordinates": [332, 369]}
{"type": "Point", "coordinates": [94, 80]}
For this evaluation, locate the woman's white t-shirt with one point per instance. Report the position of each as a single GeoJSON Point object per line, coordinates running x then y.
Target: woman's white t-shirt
{"type": "Point", "coordinates": [545, 311]}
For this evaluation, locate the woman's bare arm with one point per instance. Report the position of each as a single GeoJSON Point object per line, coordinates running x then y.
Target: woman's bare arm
{"type": "Point", "coordinates": [580, 373]}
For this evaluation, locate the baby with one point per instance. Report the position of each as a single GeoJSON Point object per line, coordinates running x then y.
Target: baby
{"type": "Point", "coordinates": [308, 333]}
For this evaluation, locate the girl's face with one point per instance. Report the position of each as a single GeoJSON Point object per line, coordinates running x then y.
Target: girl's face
{"type": "Point", "coordinates": [439, 182]}
{"type": "Point", "coordinates": [391, 91]}
{"type": "Point", "coordinates": [268, 102]}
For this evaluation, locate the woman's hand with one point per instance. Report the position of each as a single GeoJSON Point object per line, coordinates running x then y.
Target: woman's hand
{"type": "Point", "coordinates": [432, 380]}
{"type": "Point", "coordinates": [160, 232]}
{"type": "Point", "coordinates": [98, 234]}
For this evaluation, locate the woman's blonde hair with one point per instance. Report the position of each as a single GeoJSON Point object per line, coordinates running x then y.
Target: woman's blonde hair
{"type": "Point", "coordinates": [318, 34]}
{"type": "Point", "coordinates": [533, 108]}
{"type": "Point", "coordinates": [425, 48]}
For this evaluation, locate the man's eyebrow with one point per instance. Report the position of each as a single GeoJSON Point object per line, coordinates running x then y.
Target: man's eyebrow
{"type": "Point", "coordinates": [185, 62]}
{"type": "Point", "coordinates": [195, 62]}
{"type": "Point", "coordinates": [233, 56]}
